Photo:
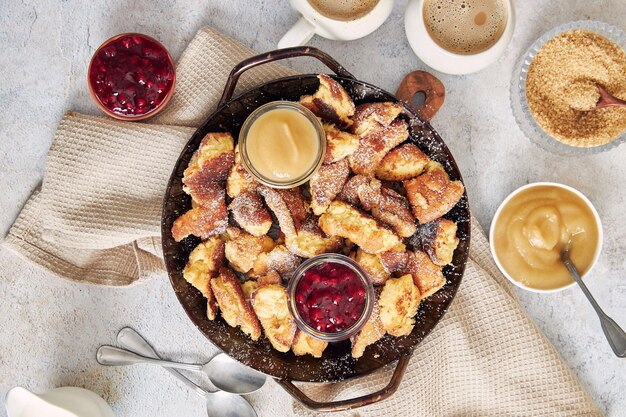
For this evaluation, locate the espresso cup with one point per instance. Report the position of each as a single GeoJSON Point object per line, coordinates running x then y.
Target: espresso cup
{"type": "Point", "coordinates": [313, 22]}
{"type": "Point", "coordinates": [443, 60]}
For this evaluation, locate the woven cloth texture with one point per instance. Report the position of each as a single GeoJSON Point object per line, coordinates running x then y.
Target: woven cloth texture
{"type": "Point", "coordinates": [97, 219]}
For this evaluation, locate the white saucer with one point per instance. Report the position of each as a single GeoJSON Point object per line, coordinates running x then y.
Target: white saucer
{"type": "Point", "coordinates": [441, 60]}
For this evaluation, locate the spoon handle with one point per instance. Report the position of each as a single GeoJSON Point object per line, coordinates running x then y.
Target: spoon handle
{"type": "Point", "coordinates": [613, 333]}
{"type": "Point", "coordinates": [109, 355]}
{"type": "Point", "coordinates": [607, 99]}
{"type": "Point", "coordinates": [131, 340]}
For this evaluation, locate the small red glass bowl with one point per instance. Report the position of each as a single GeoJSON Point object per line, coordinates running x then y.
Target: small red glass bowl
{"type": "Point", "coordinates": [319, 261]}
{"type": "Point", "coordinates": [163, 100]}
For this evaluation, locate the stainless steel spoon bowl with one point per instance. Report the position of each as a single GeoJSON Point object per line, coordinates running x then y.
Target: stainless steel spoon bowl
{"type": "Point", "coordinates": [218, 404]}
{"type": "Point", "coordinates": [614, 334]}
{"type": "Point", "coordinates": [224, 372]}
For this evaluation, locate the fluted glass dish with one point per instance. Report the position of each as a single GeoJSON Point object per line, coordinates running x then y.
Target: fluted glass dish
{"type": "Point", "coordinates": [519, 103]}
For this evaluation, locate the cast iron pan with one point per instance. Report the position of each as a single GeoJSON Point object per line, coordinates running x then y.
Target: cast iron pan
{"type": "Point", "coordinates": [336, 364]}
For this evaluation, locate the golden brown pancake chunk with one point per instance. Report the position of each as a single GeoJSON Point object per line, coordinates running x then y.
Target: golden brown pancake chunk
{"type": "Point", "coordinates": [349, 193]}
{"type": "Point", "coordinates": [373, 148]}
{"type": "Point", "coordinates": [236, 309]}
{"type": "Point", "coordinates": [276, 203]}
{"type": "Point", "coordinates": [388, 206]}
{"type": "Point", "coordinates": [270, 278]}
{"type": "Point", "coordinates": [204, 263]}
{"type": "Point", "coordinates": [339, 144]}
{"type": "Point", "coordinates": [394, 260]}
{"type": "Point", "coordinates": [289, 207]}
{"type": "Point", "coordinates": [203, 180]}
{"type": "Point", "coordinates": [204, 220]}
{"type": "Point", "coordinates": [271, 307]}
{"type": "Point", "coordinates": [279, 259]}
{"type": "Point", "coordinates": [330, 102]}
{"type": "Point", "coordinates": [211, 162]}
{"type": "Point", "coordinates": [250, 213]}
{"type": "Point", "coordinates": [438, 239]}
{"type": "Point", "coordinates": [432, 194]}
{"type": "Point", "coordinates": [326, 183]}
{"type": "Point", "coordinates": [342, 219]}
{"type": "Point", "coordinates": [303, 344]}
{"type": "Point", "coordinates": [373, 117]}
{"type": "Point", "coordinates": [242, 248]}
{"type": "Point", "coordinates": [371, 333]}
{"type": "Point", "coordinates": [426, 275]}
{"type": "Point", "coordinates": [398, 302]}
{"type": "Point", "coordinates": [296, 204]}
{"type": "Point", "coordinates": [206, 193]}
{"type": "Point", "coordinates": [239, 180]}
{"type": "Point", "coordinates": [402, 163]}
{"type": "Point", "coordinates": [310, 240]}
{"type": "Point", "coordinates": [372, 266]}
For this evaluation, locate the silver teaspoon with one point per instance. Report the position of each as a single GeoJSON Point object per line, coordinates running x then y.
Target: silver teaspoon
{"type": "Point", "coordinates": [224, 372]}
{"type": "Point", "coordinates": [614, 334]}
{"type": "Point", "coordinates": [218, 404]}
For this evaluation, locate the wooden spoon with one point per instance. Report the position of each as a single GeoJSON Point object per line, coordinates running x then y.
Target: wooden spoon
{"type": "Point", "coordinates": [607, 100]}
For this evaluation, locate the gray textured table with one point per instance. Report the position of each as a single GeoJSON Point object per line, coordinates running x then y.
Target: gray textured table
{"type": "Point", "coordinates": [51, 328]}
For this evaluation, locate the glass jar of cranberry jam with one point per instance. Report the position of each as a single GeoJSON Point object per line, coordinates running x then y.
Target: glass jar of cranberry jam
{"type": "Point", "coordinates": [131, 76]}
{"type": "Point", "coordinates": [331, 297]}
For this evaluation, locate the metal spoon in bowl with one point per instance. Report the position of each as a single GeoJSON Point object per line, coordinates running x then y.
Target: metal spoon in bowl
{"type": "Point", "coordinates": [218, 404]}
{"type": "Point", "coordinates": [224, 372]}
{"type": "Point", "coordinates": [607, 99]}
{"type": "Point", "coordinates": [614, 334]}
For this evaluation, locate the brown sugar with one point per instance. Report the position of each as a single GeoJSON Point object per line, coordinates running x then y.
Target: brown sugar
{"type": "Point", "coordinates": [561, 88]}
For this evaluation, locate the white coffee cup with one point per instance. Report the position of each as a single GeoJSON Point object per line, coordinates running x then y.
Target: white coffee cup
{"type": "Point", "coordinates": [313, 22]}
{"type": "Point", "coordinates": [443, 60]}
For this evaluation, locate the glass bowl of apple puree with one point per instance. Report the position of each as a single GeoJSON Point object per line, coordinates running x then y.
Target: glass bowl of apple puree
{"type": "Point", "coordinates": [282, 144]}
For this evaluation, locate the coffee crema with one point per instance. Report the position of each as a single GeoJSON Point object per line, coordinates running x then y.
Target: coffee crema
{"type": "Point", "coordinates": [465, 27]}
{"type": "Point", "coordinates": [343, 9]}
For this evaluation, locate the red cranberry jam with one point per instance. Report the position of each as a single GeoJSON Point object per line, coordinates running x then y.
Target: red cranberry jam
{"type": "Point", "coordinates": [131, 75]}
{"type": "Point", "coordinates": [330, 298]}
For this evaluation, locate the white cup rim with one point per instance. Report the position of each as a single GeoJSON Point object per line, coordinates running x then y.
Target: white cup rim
{"type": "Point", "coordinates": [494, 255]}
{"type": "Point", "coordinates": [448, 62]}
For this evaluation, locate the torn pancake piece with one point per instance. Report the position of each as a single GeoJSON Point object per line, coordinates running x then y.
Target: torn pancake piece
{"type": "Point", "coordinates": [342, 219]}
{"type": "Point", "coordinates": [432, 194]}
{"type": "Point", "coordinates": [271, 307]}
{"type": "Point", "coordinates": [204, 263]}
{"type": "Point", "coordinates": [235, 308]}
{"type": "Point", "coordinates": [398, 302]}
{"type": "Point", "coordinates": [330, 102]}
{"type": "Point", "coordinates": [250, 213]}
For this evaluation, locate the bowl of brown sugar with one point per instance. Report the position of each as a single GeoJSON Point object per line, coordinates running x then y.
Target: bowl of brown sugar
{"type": "Point", "coordinates": [554, 91]}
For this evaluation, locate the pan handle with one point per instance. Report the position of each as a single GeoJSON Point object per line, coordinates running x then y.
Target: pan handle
{"type": "Point", "coordinates": [427, 84]}
{"type": "Point", "coordinates": [277, 55]}
{"type": "Point", "coordinates": [351, 403]}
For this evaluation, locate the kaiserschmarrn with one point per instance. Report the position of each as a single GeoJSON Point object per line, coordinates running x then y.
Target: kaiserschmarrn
{"type": "Point", "coordinates": [377, 198]}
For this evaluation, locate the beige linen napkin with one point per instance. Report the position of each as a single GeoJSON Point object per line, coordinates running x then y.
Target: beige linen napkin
{"type": "Point", "coordinates": [97, 219]}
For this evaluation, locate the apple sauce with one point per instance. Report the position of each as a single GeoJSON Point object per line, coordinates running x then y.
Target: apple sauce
{"type": "Point", "coordinates": [533, 228]}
